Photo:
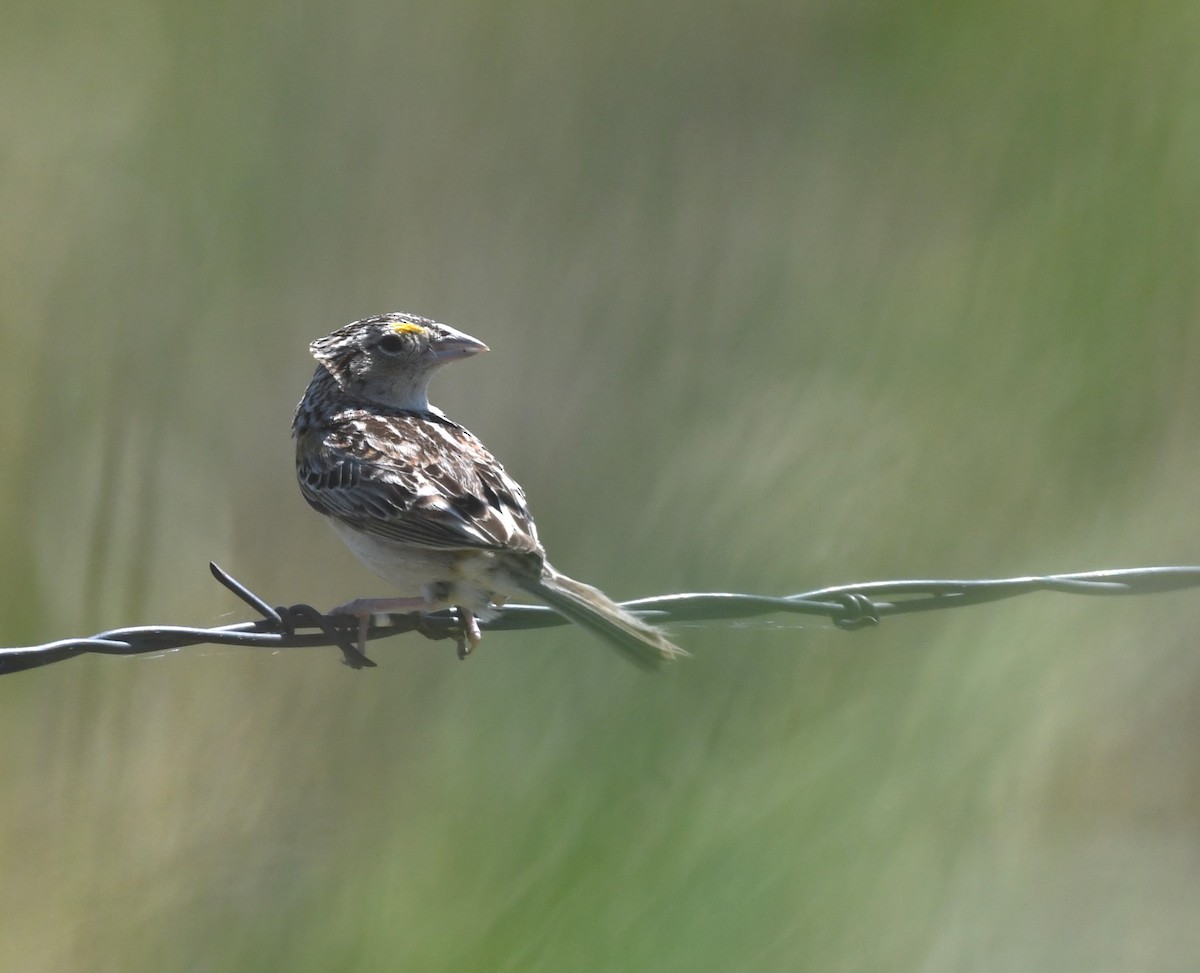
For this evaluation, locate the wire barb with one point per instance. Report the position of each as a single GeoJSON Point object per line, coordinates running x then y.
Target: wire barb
{"type": "Point", "coordinates": [248, 596]}
{"type": "Point", "coordinates": [849, 607]}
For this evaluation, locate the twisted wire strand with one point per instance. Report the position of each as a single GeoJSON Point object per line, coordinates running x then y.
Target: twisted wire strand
{"type": "Point", "coordinates": [849, 607]}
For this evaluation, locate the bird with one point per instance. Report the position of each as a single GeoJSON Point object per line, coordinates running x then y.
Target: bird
{"type": "Point", "coordinates": [421, 501]}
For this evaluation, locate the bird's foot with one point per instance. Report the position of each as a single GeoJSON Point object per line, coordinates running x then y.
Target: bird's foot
{"type": "Point", "coordinates": [363, 609]}
{"type": "Point", "coordinates": [466, 639]}
{"type": "Point", "coordinates": [470, 636]}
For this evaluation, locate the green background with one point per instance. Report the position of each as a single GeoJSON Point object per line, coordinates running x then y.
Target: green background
{"type": "Point", "coordinates": [779, 295]}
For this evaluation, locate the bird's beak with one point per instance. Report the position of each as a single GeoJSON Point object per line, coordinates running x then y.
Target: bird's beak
{"type": "Point", "coordinates": [453, 345]}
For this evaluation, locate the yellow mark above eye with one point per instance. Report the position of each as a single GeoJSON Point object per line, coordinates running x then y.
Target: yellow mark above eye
{"type": "Point", "coordinates": [407, 327]}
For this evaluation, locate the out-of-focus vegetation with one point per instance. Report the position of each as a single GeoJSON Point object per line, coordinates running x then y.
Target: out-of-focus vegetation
{"type": "Point", "coordinates": [779, 294]}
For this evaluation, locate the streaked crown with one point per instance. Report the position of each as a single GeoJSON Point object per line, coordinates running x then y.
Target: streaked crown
{"type": "Point", "coordinates": [389, 358]}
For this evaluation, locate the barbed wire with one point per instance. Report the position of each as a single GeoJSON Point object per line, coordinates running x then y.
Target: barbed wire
{"type": "Point", "coordinates": [849, 607]}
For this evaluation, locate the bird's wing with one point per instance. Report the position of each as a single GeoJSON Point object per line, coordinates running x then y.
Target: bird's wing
{"type": "Point", "coordinates": [416, 478]}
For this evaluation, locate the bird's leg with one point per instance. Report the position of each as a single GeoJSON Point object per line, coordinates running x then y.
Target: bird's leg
{"type": "Point", "coordinates": [471, 636]}
{"type": "Point", "coordinates": [434, 598]}
{"type": "Point", "coordinates": [377, 606]}
{"type": "Point", "coordinates": [441, 593]}
{"type": "Point", "coordinates": [364, 608]}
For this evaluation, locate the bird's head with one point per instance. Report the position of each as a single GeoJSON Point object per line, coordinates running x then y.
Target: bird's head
{"type": "Point", "coordinates": [390, 358]}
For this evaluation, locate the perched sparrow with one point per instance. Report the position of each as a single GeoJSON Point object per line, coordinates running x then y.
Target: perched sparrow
{"type": "Point", "coordinates": [419, 499]}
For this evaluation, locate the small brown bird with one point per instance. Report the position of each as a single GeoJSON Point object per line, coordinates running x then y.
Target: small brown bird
{"type": "Point", "coordinates": [419, 499]}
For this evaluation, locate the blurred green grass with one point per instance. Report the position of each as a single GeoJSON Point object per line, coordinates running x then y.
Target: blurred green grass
{"type": "Point", "coordinates": [779, 295]}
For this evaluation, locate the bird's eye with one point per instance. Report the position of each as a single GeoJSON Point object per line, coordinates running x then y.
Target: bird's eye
{"type": "Point", "coordinates": [392, 344]}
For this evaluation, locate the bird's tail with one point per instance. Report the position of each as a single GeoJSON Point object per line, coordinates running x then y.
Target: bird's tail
{"type": "Point", "coordinates": [638, 642]}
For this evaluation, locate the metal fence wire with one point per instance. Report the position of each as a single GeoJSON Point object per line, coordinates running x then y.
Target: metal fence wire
{"type": "Point", "coordinates": [849, 607]}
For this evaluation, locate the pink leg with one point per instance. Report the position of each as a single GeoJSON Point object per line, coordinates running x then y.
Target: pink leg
{"type": "Point", "coordinates": [377, 606]}
{"type": "Point", "coordinates": [471, 634]}
{"type": "Point", "coordinates": [364, 608]}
